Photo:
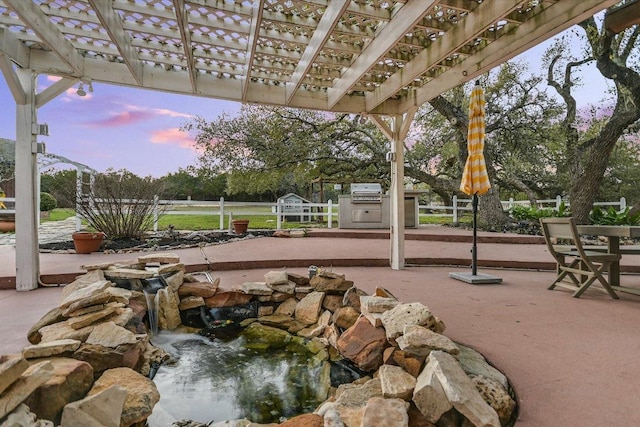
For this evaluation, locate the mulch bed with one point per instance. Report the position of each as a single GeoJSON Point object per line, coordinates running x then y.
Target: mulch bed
{"type": "Point", "coordinates": [161, 241]}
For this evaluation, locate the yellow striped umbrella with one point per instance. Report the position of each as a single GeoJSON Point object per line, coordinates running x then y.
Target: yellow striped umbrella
{"type": "Point", "coordinates": [475, 179]}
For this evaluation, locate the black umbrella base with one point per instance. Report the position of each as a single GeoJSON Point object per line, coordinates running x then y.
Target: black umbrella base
{"type": "Point", "coordinates": [476, 279]}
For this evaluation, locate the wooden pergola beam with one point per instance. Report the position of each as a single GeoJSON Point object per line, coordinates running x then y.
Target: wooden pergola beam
{"type": "Point", "coordinates": [623, 17]}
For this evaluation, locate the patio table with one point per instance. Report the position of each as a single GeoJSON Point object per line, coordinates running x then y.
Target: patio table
{"type": "Point", "coordinates": [613, 233]}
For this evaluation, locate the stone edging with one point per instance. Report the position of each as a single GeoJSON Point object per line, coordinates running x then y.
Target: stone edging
{"type": "Point", "coordinates": [97, 337]}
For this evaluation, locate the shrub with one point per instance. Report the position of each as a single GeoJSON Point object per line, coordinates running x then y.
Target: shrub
{"type": "Point", "coordinates": [611, 216]}
{"type": "Point", "coordinates": [118, 203]}
{"type": "Point", "coordinates": [526, 213]}
{"type": "Point", "coordinates": [47, 202]}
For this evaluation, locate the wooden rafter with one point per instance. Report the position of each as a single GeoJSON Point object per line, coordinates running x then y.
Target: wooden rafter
{"type": "Point", "coordinates": [468, 29]}
{"type": "Point", "coordinates": [252, 42]}
{"type": "Point", "coordinates": [320, 36]}
{"type": "Point", "coordinates": [404, 21]}
{"type": "Point", "coordinates": [549, 22]}
{"type": "Point", "coordinates": [185, 35]}
{"type": "Point", "coordinates": [113, 25]}
{"type": "Point", "coordinates": [623, 17]}
{"type": "Point", "coordinates": [379, 57]}
{"type": "Point", "coordinates": [47, 32]}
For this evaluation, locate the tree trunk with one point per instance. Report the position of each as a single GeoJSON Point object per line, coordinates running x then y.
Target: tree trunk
{"type": "Point", "coordinates": [490, 212]}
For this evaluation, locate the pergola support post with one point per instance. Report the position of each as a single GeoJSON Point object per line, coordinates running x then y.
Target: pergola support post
{"type": "Point", "coordinates": [400, 124]}
{"type": "Point", "coordinates": [26, 171]}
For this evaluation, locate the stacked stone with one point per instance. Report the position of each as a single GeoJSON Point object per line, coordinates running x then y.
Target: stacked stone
{"type": "Point", "coordinates": [95, 345]}
{"type": "Point", "coordinates": [91, 351]}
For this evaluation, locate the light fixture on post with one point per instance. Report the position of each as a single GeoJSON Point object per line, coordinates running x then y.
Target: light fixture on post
{"type": "Point", "coordinates": [363, 118]}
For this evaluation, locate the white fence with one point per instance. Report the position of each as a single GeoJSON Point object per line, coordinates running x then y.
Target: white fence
{"type": "Point", "coordinates": [280, 210]}
{"type": "Point", "coordinates": [461, 205]}
{"type": "Point", "coordinates": [328, 211]}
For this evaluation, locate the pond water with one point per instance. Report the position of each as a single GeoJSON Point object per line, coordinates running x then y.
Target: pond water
{"type": "Point", "coordinates": [216, 380]}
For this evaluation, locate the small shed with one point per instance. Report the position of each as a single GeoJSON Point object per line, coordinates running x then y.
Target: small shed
{"type": "Point", "coordinates": [295, 208]}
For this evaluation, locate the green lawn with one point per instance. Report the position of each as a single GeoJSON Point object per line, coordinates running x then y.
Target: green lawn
{"type": "Point", "coordinates": [266, 221]}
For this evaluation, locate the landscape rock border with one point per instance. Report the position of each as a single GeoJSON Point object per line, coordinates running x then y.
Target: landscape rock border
{"type": "Point", "coordinates": [96, 342]}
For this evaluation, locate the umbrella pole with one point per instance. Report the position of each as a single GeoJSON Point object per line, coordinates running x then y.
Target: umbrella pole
{"type": "Point", "coordinates": [474, 247]}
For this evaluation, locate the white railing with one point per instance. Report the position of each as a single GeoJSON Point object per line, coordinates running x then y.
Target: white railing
{"type": "Point", "coordinates": [282, 210]}
{"type": "Point", "coordinates": [221, 208]}
{"type": "Point", "coordinates": [461, 205]}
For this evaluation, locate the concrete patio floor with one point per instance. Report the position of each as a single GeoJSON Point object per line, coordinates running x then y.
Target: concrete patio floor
{"type": "Point", "coordinates": [572, 362]}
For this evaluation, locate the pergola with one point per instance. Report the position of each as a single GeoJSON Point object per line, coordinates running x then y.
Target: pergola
{"type": "Point", "coordinates": [379, 58]}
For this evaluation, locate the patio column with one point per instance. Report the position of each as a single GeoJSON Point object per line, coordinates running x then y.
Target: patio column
{"type": "Point", "coordinates": [26, 169]}
{"type": "Point", "coordinates": [400, 124]}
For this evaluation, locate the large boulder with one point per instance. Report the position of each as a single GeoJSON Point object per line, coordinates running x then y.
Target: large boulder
{"type": "Point", "coordinates": [363, 344]}
{"type": "Point", "coordinates": [142, 394]}
{"type": "Point", "coordinates": [52, 348]}
{"type": "Point", "coordinates": [350, 402]}
{"type": "Point", "coordinates": [345, 317]}
{"type": "Point", "coordinates": [308, 308]}
{"type": "Point", "coordinates": [23, 417]}
{"type": "Point", "coordinates": [279, 277]}
{"type": "Point", "coordinates": [199, 289]}
{"type": "Point", "coordinates": [330, 283]}
{"type": "Point", "coordinates": [420, 341]}
{"type": "Point", "coordinates": [396, 319]}
{"type": "Point", "coordinates": [53, 316]}
{"type": "Point", "coordinates": [27, 383]}
{"type": "Point", "coordinates": [474, 363]}
{"type": "Point", "coordinates": [102, 409]}
{"type": "Point", "coordinates": [224, 298]}
{"type": "Point", "coordinates": [71, 381]}
{"type": "Point", "coordinates": [496, 396]}
{"type": "Point", "coordinates": [386, 412]}
{"type": "Point", "coordinates": [396, 382]}
{"type": "Point", "coordinates": [305, 420]}
{"type": "Point", "coordinates": [264, 337]}
{"type": "Point", "coordinates": [11, 367]}
{"type": "Point", "coordinates": [443, 376]}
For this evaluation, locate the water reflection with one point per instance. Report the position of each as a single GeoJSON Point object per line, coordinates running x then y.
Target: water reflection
{"type": "Point", "coordinates": [216, 381]}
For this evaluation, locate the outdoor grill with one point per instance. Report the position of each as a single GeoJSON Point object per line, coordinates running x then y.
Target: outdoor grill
{"type": "Point", "coordinates": [364, 207]}
{"type": "Point", "coordinates": [366, 193]}
{"type": "Point", "coordinates": [367, 207]}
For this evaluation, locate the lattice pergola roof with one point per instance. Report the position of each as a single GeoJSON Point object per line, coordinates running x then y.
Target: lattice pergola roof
{"type": "Point", "coordinates": [374, 56]}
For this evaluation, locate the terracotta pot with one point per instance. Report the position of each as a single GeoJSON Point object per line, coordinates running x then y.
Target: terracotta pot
{"type": "Point", "coordinates": [86, 242]}
{"type": "Point", "coordinates": [240, 226]}
{"type": "Point", "coordinates": [7, 226]}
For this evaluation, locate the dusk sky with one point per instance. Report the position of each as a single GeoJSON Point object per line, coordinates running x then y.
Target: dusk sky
{"type": "Point", "coordinates": [138, 130]}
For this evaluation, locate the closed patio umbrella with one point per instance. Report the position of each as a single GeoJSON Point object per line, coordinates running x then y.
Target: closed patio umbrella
{"type": "Point", "coordinates": [475, 179]}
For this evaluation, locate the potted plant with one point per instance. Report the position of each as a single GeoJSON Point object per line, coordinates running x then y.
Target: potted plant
{"type": "Point", "coordinates": [86, 242]}
{"type": "Point", "coordinates": [7, 223]}
{"type": "Point", "coordinates": [116, 204]}
{"type": "Point", "coordinates": [240, 226]}
{"type": "Point", "coordinates": [7, 220]}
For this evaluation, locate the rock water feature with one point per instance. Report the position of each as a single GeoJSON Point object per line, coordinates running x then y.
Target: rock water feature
{"type": "Point", "coordinates": [93, 350]}
{"type": "Point", "coordinates": [258, 379]}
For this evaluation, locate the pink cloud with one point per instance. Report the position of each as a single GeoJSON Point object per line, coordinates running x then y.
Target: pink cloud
{"type": "Point", "coordinates": [173, 136]}
{"type": "Point", "coordinates": [171, 113]}
{"type": "Point", "coordinates": [156, 111]}
{"type": "Point", "coordinates": [124, 118]}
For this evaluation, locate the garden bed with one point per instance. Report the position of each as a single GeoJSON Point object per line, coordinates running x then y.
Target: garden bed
{"type": "Point", "coordinates": [161, 241]}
